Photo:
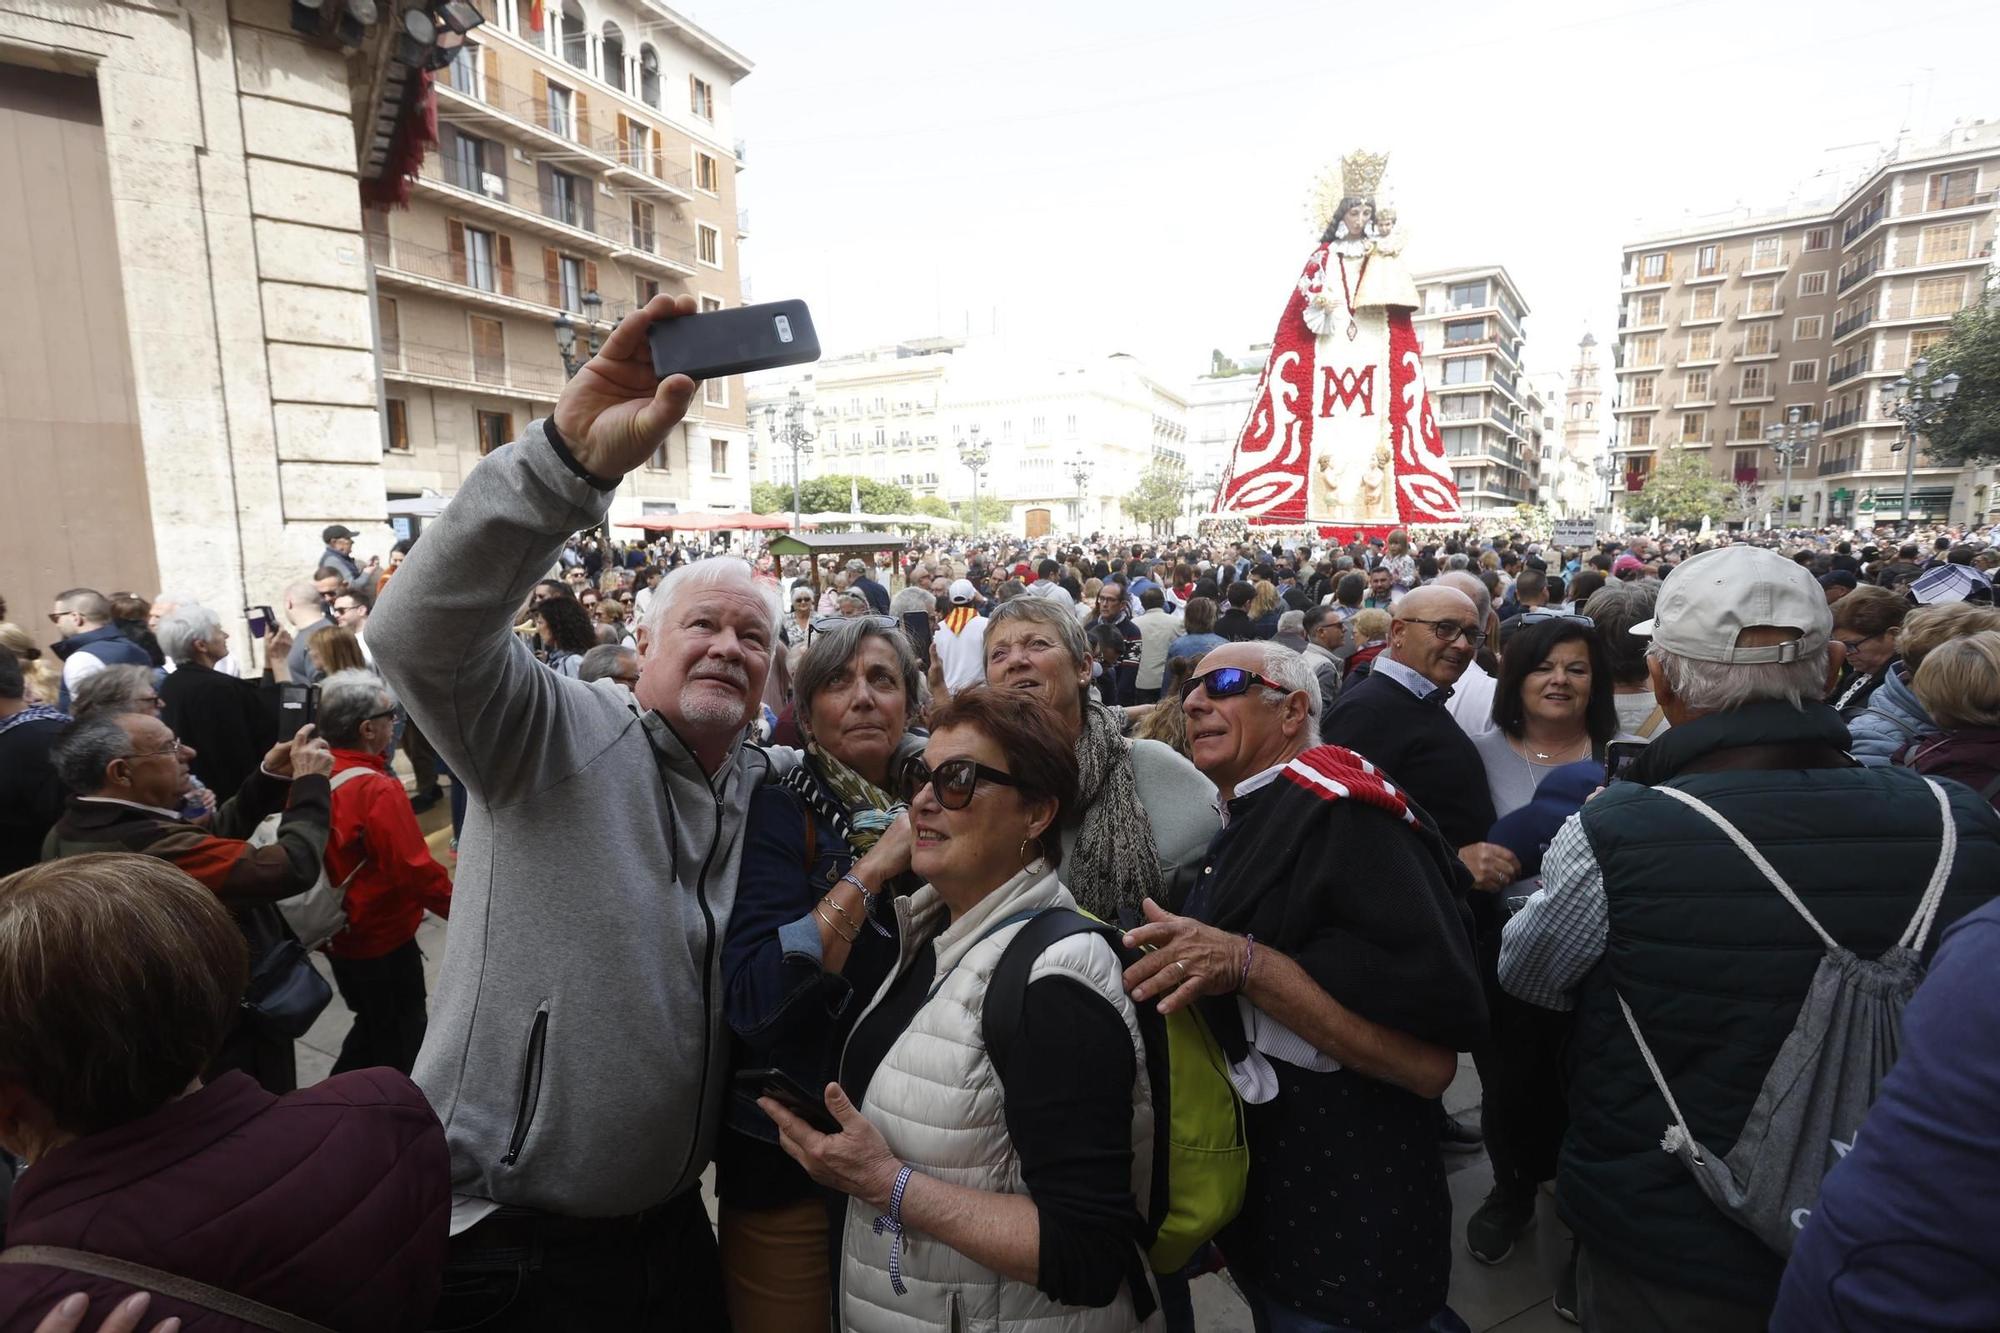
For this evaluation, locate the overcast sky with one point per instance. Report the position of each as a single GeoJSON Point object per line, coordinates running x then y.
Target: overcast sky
{"type": "Point", "coordinates": [1102, 177]}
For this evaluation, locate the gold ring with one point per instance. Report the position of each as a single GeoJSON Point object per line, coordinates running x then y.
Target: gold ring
{"type": "Point", "coordinates": [1183, 967]}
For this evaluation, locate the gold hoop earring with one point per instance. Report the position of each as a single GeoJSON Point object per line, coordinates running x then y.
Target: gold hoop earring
{"type": "Point", "coordinates": [1028, 855]}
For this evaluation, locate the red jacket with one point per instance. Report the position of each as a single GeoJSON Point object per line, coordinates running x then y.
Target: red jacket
{"type": "Point", "coordinates": [333, 1204]}
{"type": "Point", "coordinates": [386, 901]}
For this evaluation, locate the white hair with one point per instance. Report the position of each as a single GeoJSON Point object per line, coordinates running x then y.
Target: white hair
{"type": "Point", "coordinates": [1297, 675]}
{"type": "Point", "coordinates": [1722, 687]}
{"type": "Point", "coordinates": [346, 699]}
{"type": "Point", "coordinates": [721, 571]}
{"type": "Point", "coordinates": [188, 624]}
{"type": "Point", "coordinates": [1292, 622]}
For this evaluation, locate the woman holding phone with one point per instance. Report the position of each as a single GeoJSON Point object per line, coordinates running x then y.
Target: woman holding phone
{"type": "Point", "coordinates": [990, 1191]}
{"type": "Point", "coordinates": [810, 937]}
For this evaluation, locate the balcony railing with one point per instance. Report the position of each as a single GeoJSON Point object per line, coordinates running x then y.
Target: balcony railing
{"type": "Point", "coordinates": [1861, 272]}
{"type": "Point", "coordinates": [1847, 370]}
{"type": "Point", "coordinates": [1848, 324]}
{"type": "Point", "coordinates": [644, 162]}
{"type": "Point", "coordinates": [1777, 263]}
{"type": "Point", "coordinates": [1701, 272]}
{"type": "Point", "coordinates": [1854, 228]}
{"type": "Point", "coordinates": [457, 364]}
{"type": "Point", "coordinates": [1911, 255]}
{"type": "Point", "coordinates": [491, 279]}
{"type": "Point", "coordinates": [1951, 199]}
{"type": "Point", "coordinates": [1696, 439]}
{"type": "Point", "coordinates": [1753, 391]}
{"type": "Point", "coordinates": [1747, 348]}
{"type": "Point", "coordinates": [1744, 476]}
{"type": "Point", "coordinates": [1828, 466]}
{"type": "Point", "coordinates": [1467, 339]}
{"type": "Point", "coordinates": [1752, 309]}
{"type": "Point", "coordinates": [1841, 420]}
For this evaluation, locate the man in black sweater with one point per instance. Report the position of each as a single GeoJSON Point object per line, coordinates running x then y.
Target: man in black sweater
{"type": "Point", "coordinates": [1396, 718]}
{"type": "Point", "coordinates": [1328, 906]}
{"type": "Point", "coordinates": [229, 723]}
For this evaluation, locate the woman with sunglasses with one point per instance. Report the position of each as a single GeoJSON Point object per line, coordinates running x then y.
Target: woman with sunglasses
{"type": "Point", "coordinates": [1869, 624]}
{"type": "Point", "coordinates": [809, 939]}
{"type": "Point", "coordinates": [1010, 1195]}
{"type": "Point", "coordinates": [1144, 815]}
{"type": "Point", "coordinates": [797, 628]}
{"type": "Point", "coordinates": [1552, 707]}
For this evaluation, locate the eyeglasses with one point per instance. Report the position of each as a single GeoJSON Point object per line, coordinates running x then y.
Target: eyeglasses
{"type": "Point", "coordinates": [172, 751]}
{"type": "Point", "coordinates": [377, 717]}
{"type": "Point", "coordinates": [1449, 630]}
{"type": "Point", "coordinates": [1851, 644]}
{"type": "Point", "coordinates": [1545, 617]}
{"type": "Point", "coordinates": [1228, 682]}
{"type": "Point", "coordinates": [822, 624]}
{"type": "Point", "coordinates": [56, 617]}
{"type": "Point", "coordinates": [953, 782]}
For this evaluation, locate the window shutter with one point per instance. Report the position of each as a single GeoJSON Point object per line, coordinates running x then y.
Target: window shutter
{"type": "Point", "coordinates": [658, 166]}
{"type": "Point", "coordinates": [552, 273]}
{"type": "Point", "coordinates": [590, 276]}
{"type": "Point", "coordinates": [454, 232]}
{"type": "Point", "coordinates": [506, 265]}
{"type": "Point", "coordinates": [587, 192]}
{"type": "Point", "coordinates": [541, 99]}
{"type": "Point", "coordinates": [489, 68]}
{"type": "Point", "coordinates": [545, 181]}
{"type": "Point", "coordinates": [582, 117]}
{"type": "Point", "coordinates": [624, 135]}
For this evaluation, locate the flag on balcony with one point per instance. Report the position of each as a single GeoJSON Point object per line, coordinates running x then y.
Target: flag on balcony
{"type": "Point", "coordinates": [535, 17]}
{"type": "Point", "coordinates": [1341, 437]}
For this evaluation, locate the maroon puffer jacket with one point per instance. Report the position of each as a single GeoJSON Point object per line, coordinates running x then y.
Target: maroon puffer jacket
{"type": "Point", "coordinates": [332, 1204]}
{"type": "Point", "coordinates": [1970, 755]}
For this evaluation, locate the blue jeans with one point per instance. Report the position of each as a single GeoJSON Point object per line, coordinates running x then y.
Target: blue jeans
{"type": "Point", "coordinates": [1269, 1315]}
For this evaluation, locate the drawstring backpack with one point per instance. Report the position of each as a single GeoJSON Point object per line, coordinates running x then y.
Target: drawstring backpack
{"type": "Point", "coordinates": [1826, 1074]}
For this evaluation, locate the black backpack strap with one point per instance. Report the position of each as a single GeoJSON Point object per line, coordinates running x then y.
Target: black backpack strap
{"type": "Point", "coordinates": [1000, 1026]}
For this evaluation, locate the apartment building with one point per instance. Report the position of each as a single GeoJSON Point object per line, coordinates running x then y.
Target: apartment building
{"type": "Point", "coordinates": [902, 414]}
{"type": "Point", "coordinates": [585, 163]}
{"type": "Point", "coordinates": [1470, 324]}
{"type": "Point", "coordinates": [1218, 408]}
{"type": "Point", "coordinates": [1729, 330]}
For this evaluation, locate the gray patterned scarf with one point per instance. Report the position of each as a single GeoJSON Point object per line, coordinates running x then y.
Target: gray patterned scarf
{"type": "Point", "coordinates": [1116, 862]}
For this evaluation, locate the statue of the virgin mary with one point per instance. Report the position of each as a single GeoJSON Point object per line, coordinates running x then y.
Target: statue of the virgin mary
{"type": "Point", "coordinates": [1341, 435]}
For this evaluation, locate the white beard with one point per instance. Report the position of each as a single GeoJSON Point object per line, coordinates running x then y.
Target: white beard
{"type": "Point", "coordinates": [708, 708]}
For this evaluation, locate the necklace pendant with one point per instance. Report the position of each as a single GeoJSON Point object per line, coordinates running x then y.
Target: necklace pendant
{"type": "Point", "coordinates": [1352, 331]}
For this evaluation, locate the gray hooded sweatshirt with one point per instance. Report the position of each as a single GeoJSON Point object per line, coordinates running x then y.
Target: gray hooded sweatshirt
{"type": "Point", "coordinates": [576, 1053]}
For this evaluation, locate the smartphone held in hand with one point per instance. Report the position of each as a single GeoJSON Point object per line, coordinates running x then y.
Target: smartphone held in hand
{"type": "Point", "coordinates": [716, 343]}
{"type": "Point", "coordinates": [298, 705]}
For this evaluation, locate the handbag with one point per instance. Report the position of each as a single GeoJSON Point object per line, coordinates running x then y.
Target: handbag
{"type": "Point", "coordinates": [319, 913]}
{"type": "Point", "coordinates": [286, 992]}
{"type": "Point", "coordinates": [184, 1289]}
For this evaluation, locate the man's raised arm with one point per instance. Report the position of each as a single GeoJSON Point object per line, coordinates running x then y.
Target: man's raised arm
{"type": "Point", "coordinates": [443, 634]}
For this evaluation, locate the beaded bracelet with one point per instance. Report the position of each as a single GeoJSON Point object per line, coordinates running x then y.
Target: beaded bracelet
{"type": "Point", "coordinates": [892, 1222]}
{"type": "Point", "coordinates": [868, 900]}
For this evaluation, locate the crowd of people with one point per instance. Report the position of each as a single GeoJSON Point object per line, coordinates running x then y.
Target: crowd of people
{"type": "Point", "coordinates": [1018, 930]}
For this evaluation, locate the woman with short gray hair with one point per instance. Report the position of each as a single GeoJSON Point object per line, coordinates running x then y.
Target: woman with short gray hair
{"type": "Point", "coordinates": [1144, 815]}
{"type": "Point", "coordinates": [376, 849]}
{"type": "Point", "coordinates": [810, 937]}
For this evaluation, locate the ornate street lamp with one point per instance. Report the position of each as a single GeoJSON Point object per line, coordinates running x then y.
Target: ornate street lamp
{"type": "Point", "coordinates": [1790, 443]}
{"type": "Point", "coordinates": [794, 434]}
{"type": "Point", "coordinates": [1917, 401]}
{"type": "Point", "coordinates": [975, 453]}
{"type": "Point", "coordinates": [1079, 472]}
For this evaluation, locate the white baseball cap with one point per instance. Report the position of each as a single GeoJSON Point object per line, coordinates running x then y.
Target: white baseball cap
{"type": "Point", "coordinates": [1710, 599]}
{"type": "Point", "coordinates": [963, 593]}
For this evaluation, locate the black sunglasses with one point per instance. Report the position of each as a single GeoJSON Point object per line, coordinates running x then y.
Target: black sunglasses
{"type": "Point", "coordinates": [1544, 617]}
{"type": "Point", "coordinates": [952, 782]}
{"type": "Point", "coordinates": [1228, 682]}
{"type": "Point", "coordinates": [834, 620]}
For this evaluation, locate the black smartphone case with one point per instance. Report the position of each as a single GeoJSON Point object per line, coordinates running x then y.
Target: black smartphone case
{"type": "Point", "coordinates": [716, 343]}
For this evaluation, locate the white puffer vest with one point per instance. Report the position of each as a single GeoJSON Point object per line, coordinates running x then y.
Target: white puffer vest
{"type": "Point", "coordinates": [938, 1101]}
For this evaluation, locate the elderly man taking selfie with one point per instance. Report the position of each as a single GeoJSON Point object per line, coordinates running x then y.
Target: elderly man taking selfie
{"type": "Point", "coordinates": [576, 1053]}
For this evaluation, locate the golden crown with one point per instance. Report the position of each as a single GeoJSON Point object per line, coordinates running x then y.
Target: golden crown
{"type": "Point", "coordinates": [1361, 173]}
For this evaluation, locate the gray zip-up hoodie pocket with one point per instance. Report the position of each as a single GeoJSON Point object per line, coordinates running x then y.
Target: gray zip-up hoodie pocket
{"type": "Point", "coordinates": [531, 1084]}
